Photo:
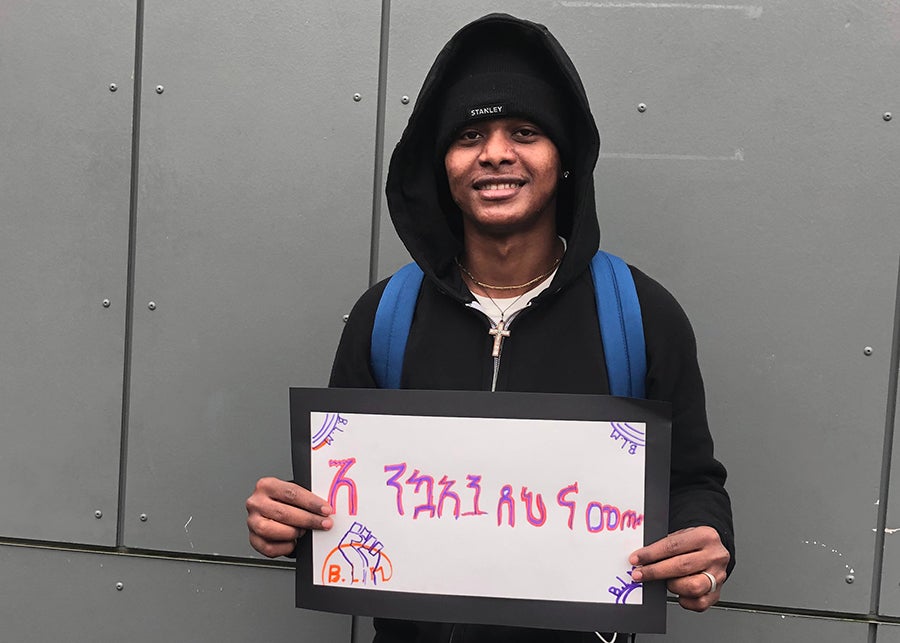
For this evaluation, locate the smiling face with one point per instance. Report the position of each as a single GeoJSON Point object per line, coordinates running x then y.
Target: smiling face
{"type": "Point", "coordinates": [503, 175]}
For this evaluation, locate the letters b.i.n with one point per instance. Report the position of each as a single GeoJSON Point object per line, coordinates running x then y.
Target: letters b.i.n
{"type": "Point", "coordinates": [358, 558]}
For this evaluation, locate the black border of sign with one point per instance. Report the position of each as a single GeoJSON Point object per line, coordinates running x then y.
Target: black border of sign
{"type": "Point", "coordinates": [650, 617]}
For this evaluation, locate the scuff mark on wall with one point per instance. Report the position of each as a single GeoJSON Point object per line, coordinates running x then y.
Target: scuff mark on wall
{"type": "Point", "coordinates": [751, 11]}
{"type": "Point", "coordinates": [737, 156]}
{"type": "Point", "coordinates": [186, 530]}
{"type": "Point", "coordinates": [833, 551]}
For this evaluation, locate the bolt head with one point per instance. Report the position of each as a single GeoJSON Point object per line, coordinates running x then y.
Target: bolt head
{"type": "Point", "coordinates": [642, 107]}
{"type": "Point", "coordinates": [113, 87]}
{"type": "Point", "coordinates": [850, 578]}
{"type": "Point", "coordinates": [868, 350]}
{"type": "Point", "coordinates": [151, 305]}
{"type": "Point", "coordinates": [887, 116]}
{"type": "Point", "coordinates": [120, 586]}
{"type": "Point", "coordinates": [106, 303]}
{"type": "Point", "coordinates": [98, 514]}
{"type": "Point", "coordinates": [143, 517]}
{"type": "Point", "coordinates": [404, 100]}
{"type": "Point", "coordinates": [357, 97]}
{"type": "Point", "coordinates": [160, 89]}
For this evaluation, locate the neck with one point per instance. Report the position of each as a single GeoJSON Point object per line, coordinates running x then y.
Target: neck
{"type": "Point", "coordinates": [509, 261]}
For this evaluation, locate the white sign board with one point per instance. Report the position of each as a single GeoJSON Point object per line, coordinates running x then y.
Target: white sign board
{"type": "Point", "coordinates": [479, 505]}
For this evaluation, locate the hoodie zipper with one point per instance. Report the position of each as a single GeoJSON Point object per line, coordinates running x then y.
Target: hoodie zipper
{"type": "Point", "coordinates": [496, 372]}
{"type": "Point", "coordinates": [496, 360]}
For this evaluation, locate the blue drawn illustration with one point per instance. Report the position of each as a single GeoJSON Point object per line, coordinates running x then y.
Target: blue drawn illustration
{"type": "Point", "coordinates": [631, 436]}
{"type": "Point", "coordinates": [325, 435]}
{"type": "Point", "coordinates": [624, 589]}
{"type": "Point", "coordinates": [362, 551]}
{"type": "Point", "coordinates": [357, 558]}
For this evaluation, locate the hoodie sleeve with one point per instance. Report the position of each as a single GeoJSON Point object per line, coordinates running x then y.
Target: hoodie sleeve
{"type": "Point", "coordinates": [352, 366]}
{"type": "Point", "coordinates": [698, 495]}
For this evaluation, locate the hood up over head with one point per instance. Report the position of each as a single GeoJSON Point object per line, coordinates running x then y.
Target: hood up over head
{"type": "Point", "coordinates": [518, 66]}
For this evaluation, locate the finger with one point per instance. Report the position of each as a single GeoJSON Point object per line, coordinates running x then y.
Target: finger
{"type": "Point", "coordinates": [272, 549]}
{"type": "Point", "coordinates": [675, 567]}
{"type": "Point", "coordinates": [292, 516]}
{"type": "Point", "coordinates": [695, 585]}
{"type": "Point", "coordinates": [271, 530]}
{"type": "Point", "coordinates": [700, 604]}
{"type": "Point", "coordinates": [293, 494]}
{"type": "Point", "coordinates": [679, 542]}
{"type": "Point", "coordinates": [289, 504]}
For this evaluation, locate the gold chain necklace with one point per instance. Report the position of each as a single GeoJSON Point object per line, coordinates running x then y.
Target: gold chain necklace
{"type": "Point", "coordinates": [500, 332]}
{"type": "Point", "coordinates": [531, 282]}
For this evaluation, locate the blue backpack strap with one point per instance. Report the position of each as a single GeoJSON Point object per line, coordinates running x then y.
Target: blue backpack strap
{"type": "Point", "coordinates": [392, 321]}
{"type": "Point", "coordinates": [621, 325]}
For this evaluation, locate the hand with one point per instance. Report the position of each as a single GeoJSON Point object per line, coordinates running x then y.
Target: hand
{"type": "Point", "coordinates": [279, 512]}
{"type": "Point", "coordinates": [681, 558]}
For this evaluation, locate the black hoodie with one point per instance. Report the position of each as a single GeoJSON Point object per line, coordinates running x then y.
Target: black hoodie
{"type": "Point", "coordinates": [555, 346]}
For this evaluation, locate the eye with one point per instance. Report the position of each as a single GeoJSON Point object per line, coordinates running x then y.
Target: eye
{"type": "Point", "coordinates": [468, 135]}
{"type": "Point", "coordinates": [527, 132]}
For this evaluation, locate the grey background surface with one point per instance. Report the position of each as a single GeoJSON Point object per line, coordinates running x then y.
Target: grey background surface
{"type": "Point", "coordinates": [244, 199]}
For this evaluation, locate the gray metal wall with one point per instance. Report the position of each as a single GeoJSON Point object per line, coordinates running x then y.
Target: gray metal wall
{"type": "Point", "coordinates": [190, 200]}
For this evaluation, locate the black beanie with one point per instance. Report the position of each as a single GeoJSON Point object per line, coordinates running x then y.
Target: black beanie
{"type": "Point", "coordinates": [504, 77]}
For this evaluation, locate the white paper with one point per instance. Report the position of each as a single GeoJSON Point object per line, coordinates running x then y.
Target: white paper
{"type": "Point", "coordinates": [565, 544]}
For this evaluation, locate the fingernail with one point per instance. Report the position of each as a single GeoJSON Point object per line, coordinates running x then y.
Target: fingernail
{"type": "Point", "coordinates": [633, 559]}
{"type": "Point", "coordinates": [327, 524]}
{"type": "Point", "coordinates": [636, 574]}
{"type": "Point", "coordinates": [326, 510]}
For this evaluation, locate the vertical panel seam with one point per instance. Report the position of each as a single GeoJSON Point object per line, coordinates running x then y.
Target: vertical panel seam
{"type": "Point", "coordinates": [887, 451]}
{"type": "Point", "coordinates": [378, 167]}
{"type": "Point", "coordinates": [379, 140]}
{"type": "Point", "coordinates": [129, 287]}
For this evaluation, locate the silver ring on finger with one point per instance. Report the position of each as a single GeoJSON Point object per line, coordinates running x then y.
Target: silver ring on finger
{"type": "Point", "coordinates": [713, 585]}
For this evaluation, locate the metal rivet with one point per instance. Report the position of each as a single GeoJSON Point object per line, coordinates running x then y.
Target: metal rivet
{"type": "Point", "coordinates": [850, 579]}
{"type": "Point", "coordinates": [357, 97]}
{"type": "Point", "coordinates": [143, 517]}
{"type": "Point", "coordinates": [887, 116]}
{"type": "Point", "coordinates": [151, 305]}
{"type": "Point", "coordinates": [106, 303]}
{"type": "Point", "coordinates": [642, 107]}
{"type": "Point", "coordinates": [404, 100]}
{"type": "Point", "coordinates": [160, 89]}
{"type": "Point", "coordinates": [345, 318]}
{"type": "Point", "coordinates": [113, 87]}
{"type": "Point", "coordinates": [98, 514]}
{"type": "Point", "coordinates": [868, 350]}
{"type": "Point", "coordinates": [120, 586]}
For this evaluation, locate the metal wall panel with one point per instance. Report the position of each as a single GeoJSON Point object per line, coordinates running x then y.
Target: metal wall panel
{"type": "Point", "coordinates": [253, 233]}
{"type": "Point", "coordinates": [64, 194]}
{"type": "Point", "coordinates": [363, 629]}
{"type": "Point", "coordinates": [888, 634]}
{"type": "Point", "coordinates": [761, 194]}
{"type": "Point", "coordinates": [738, 626]}
{"type": "Point", "coordinates": [758, 185]}
{"type": "Point", "coordinates": [890, 579]}
{"type": "Point", "coordinates": [159, 600]}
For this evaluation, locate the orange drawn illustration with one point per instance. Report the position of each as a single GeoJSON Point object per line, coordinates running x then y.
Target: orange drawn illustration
{"type": "Point", "coordinates": [358, 559]}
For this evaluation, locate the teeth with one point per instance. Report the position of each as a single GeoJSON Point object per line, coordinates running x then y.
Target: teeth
{"type": "Point", "coordinates": [499, 186]}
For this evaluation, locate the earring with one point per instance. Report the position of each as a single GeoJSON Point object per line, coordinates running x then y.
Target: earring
{"type": "Point", "coordinates": [566, 174]}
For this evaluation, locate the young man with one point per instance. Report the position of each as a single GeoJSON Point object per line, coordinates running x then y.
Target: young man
{"type": "Point", "coordinates": [491, 190]}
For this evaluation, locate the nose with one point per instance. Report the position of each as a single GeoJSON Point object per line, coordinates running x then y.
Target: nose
{"type": "Point", "coordinates": [497, 149]}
